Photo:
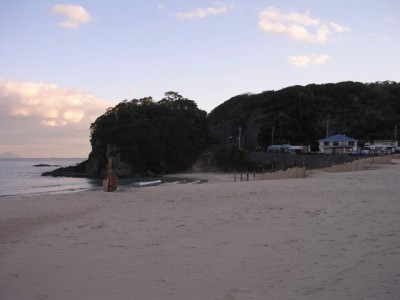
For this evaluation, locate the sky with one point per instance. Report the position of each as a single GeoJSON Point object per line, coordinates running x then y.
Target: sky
{"type": "Point", "coordinates": [62, 64]}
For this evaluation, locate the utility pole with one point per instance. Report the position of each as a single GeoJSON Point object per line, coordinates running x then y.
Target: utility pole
{"type": "Point", "coordinates": [327, 127]}
{"type": "Point", "coordinates": [272, 136]}
{"type": "Point", "coordinates": [240, 134]}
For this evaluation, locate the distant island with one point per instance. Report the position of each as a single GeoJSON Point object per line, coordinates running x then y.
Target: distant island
{"type": "Point", "coordinates": [9, 154]}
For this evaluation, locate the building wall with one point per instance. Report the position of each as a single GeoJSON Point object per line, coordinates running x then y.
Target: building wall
{"type": "Point", "coordinates": [338, 147]}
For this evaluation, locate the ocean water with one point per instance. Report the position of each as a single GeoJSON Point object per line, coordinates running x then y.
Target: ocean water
{"type": "Point", "coordinates": [21, 177]}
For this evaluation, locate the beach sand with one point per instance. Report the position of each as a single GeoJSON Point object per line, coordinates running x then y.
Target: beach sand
{"type": "Point", "coordinates": [327, 236]}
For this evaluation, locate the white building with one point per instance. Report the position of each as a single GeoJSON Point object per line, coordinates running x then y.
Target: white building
{"type": "Point", "coordinates": [337, 144]}
{"type": "Point", "coordinates": [381, 147]}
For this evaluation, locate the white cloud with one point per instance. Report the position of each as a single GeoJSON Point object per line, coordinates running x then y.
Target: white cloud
{"type": "Point", "coordinates": [75, 15]}
{"type": "Point", "coordinates": [54, 121]}
{"type": "Point", "coordinates": [339, 28]}
{"type": "Point", "coordinates": [304, 60]}
{"type": "Point", "coordinates": [202, 12]}
{"type": "Point", "coordinates": [49, 103]}
{"type": "Point", "coordinates": [300, 27]}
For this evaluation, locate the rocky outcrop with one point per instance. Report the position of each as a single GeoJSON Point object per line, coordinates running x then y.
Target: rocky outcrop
{"type": "Point", "coordinates": [71, 171]}
{"type": "Point", "coordinates": [96, 167]}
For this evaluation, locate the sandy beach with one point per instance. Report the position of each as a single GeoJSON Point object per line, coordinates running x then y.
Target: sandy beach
{"type": "Point", "coordinates": [326, 236]}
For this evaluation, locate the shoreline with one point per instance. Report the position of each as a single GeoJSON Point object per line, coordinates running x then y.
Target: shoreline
{"type": "Point", "coordinates": [326, 236]}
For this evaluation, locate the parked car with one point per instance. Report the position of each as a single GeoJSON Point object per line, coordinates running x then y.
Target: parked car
{"type": "Point", "coordinates": [359, 152]}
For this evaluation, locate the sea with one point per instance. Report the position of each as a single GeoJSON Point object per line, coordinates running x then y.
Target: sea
{"type": "Point", "coordinates": [23, 177]}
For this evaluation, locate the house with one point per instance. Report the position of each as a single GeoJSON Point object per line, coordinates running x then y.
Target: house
{"type": "Point", "coordinates": [382, 147]}
{"type": "Point", "coordinates": [337, 144]}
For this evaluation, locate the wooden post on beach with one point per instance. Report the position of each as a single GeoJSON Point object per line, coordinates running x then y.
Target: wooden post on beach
{"type": "Point", "coordinates": [110, 183]}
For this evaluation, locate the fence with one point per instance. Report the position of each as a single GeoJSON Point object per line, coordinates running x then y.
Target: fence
{"type": "Point", "coordinates": [395, 156]}
{"type": "Point", "coordinates": [358, 165]}
{"type": "Point", "coordinates": [282, 174]}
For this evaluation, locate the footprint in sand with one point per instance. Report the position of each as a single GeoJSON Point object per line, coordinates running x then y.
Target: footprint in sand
{"type": "Point", "coordinates": [41, 296]}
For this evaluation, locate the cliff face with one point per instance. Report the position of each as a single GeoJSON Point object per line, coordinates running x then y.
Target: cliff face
{"type": "Point", "coordinates": [300, 114]}
{"type": "Point", "coordinates": [96, 166]}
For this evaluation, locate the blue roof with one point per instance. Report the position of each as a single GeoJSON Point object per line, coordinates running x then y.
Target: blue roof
{"type": "Point", "coordinates": [338, 138]}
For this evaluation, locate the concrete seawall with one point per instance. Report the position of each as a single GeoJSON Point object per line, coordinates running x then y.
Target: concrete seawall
{"type": "Point", "coordinates": [300, 160]}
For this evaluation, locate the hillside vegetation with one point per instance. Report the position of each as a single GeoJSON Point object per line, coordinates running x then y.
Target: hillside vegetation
{"type": "Point", "coordinates": [300, 114]}
{"type": "Point", "coordinates": [144, 136]}
{"type": "Point", "coordinates": [148, 136]}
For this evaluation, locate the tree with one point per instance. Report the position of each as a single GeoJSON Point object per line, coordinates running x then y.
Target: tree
{"type": "Point", "coordinates": [299, 113]}
{"type": "Point", "coordinates": [160, 137]}
{"type": "Point", "coordinates": [172, 96]}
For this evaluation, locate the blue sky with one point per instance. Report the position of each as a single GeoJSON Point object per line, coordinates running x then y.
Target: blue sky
{"type": "Point", "coordinates": [63, 63]}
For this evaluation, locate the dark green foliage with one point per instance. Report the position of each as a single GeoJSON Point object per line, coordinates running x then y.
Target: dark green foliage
{"type": "Point", "coordinates": [231, 158]}
{"type": "Point", "coordinates": [168, 135]}
{"type": "Point", "coordinates": [160, 137]}
{"type": "Point", "coordinates": [299, 114]}
{"type": "Point", "coordinates": [237, 109]}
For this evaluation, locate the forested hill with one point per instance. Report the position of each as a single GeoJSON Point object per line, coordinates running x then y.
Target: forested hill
{"type": "Point", "coordinates": [145, 136]}
{"type": "Point", "coordinates": [300, 114]}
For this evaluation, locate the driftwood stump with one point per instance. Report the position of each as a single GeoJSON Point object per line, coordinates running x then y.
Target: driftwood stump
{"type": "Point", "coordinates": [110, 183]}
